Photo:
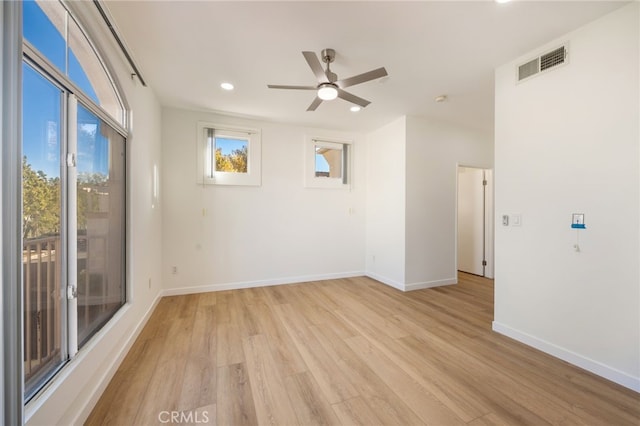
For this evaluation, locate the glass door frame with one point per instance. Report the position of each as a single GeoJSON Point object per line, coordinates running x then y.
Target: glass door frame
{"type": "Point", "coordinates": [64, 255]}
{"type": "Point", "coordinates": [68, 232]}
{"type": "Point", "coordinates": [11, 371]}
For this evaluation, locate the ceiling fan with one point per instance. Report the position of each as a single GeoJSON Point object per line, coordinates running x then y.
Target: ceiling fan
{"type": "Point", "coordinates": [329, 87]}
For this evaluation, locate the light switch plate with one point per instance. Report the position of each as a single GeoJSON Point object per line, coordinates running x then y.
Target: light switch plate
{"type": "Point", "coordinates": [516, 219]}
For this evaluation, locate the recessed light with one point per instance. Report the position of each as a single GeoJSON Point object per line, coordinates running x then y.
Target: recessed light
{"type": "Point", "coordinates": [355, 108]}
{"type": "Point", "coordinates": [227, 86]}
{"type": "Point", "coordinates": [440, 98]}
{"type": "Point", "coordinates": [502, 1]}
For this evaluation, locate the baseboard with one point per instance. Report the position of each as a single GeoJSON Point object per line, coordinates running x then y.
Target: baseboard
{"type": "Point", "coordinates": [430, 284]}
{"type": "Point", "coordinates": [259, 283]}
{"type": "Point", "coordinates": [387, 281]}
{"type": "Point", "coordinates": [111, 370]}
{"type": "Point", "coordinates": [578, 360]}
{"type": "Point", "coordinates": [412, 286]}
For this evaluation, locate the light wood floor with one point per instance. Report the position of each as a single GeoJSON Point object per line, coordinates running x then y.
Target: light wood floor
{"type": "Point", "coordinates": [348, 351]}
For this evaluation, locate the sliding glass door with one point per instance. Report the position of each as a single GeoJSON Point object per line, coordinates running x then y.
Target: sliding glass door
{"type": "Point", "coordinates": [73, 191]}
{"type": "Point", "coordinates": [73, 207]}
{"type": "Point", "coordinates": [100, 222]}
{"type": "Point", "coordinates": [43, 177]}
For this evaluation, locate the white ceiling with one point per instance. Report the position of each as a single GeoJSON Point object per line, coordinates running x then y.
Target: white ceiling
{"type": "Point", "coordinates": [185, 49]}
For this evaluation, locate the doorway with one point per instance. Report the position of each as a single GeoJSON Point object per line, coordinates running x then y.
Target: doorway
{"type": "Point", "coordinates": [475, 221]}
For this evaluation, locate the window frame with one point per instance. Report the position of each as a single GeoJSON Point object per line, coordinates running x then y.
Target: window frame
{"type": "Point", "coordinates": [120, 125]}
{"type": "Point", "coordinates": [12, 408]}
{"type": "Point", "coordinates": [205, 169]}
{"type": "Point", "coordinates": [310, 178]}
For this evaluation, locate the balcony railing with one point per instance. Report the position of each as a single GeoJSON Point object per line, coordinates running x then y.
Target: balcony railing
{"type": "Point", "coordinates": [42, 302]}
{"type": "Point", "coordinates": [44, 292]}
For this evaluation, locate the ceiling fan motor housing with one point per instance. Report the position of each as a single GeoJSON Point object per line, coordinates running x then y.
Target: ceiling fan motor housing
{"type": "Point", "coordinates": [328, 55]}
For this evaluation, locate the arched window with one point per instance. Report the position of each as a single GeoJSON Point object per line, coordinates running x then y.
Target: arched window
{"type": "Point", "coordinates": [73, 191]}
{"type": "Point", "coordinates": [51, 30]}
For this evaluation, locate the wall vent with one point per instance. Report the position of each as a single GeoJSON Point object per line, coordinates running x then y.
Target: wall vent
{"type": "Point", "coordinates": [542, 63]}
{"type": "Point", "coordinates": [528, 69]}
{"type": "Point", "coordinates": [553, 58]}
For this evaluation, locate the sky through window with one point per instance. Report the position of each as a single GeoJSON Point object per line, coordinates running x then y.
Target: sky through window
{"type": "Point", "coordinates": [41, 133]}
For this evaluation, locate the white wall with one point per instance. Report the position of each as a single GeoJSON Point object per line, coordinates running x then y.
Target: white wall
{"type": "Point", "coordinates": [434, 151]}
{"type": "Point", "coordinates": [76, 389]}
{"type": "Point", "coordinates": [411, 199]}
{"type": "Point", "coordinates": [568, 142]}
{"type": "Point", "coordinates": [275, 233]}
{"type": "Point", "coordinates": [385, 209]}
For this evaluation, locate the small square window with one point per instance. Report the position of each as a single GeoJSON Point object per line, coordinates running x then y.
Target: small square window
{"type": "Point", "coordinates": [228, 156]}
{"type": "Point", "coordinates": [327, 163]}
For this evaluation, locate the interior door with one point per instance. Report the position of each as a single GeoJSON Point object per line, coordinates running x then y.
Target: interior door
{"type": "Point", "coordinates": [471, 220]}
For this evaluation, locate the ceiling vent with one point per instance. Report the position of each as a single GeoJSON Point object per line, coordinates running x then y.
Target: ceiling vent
{"type": "Point", "coordinates": [542, 63]}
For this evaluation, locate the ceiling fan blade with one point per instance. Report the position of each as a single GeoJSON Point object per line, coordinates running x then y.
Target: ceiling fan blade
{"type": "Point", "coordinates": [352, 98]}
{"type": "Point", "coordinates": [316, 102]}
{"type": "Point", "coordinates": [361, 78]}
{"type": "Point", "coordinates": [316, 66]}
{"type": "Point", "coordinates": [278, 86]}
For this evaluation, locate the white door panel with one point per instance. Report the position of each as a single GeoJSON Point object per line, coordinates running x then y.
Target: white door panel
{"type": "Point", "coordinates": [471, 231]}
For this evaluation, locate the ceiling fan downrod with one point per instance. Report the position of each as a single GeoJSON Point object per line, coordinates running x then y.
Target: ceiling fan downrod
{"type": "Point", "coordinates": [328, 56]}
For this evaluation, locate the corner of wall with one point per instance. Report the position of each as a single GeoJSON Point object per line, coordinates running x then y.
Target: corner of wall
{"type": "Point", "coordinates": [560, 289]}
{"type": "Point", "coordinates": [385, 203]}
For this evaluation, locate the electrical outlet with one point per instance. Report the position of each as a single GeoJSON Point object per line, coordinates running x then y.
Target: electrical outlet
{"type": "Point", "coordinates": [174, 270]}
{"type": "Point", "coordinates": [505, 220]}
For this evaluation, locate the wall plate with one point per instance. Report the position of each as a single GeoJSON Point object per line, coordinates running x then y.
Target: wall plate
{"type": "Point", "coordinates": [577, 221]}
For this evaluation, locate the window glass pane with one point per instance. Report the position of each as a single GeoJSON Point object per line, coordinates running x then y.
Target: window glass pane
{"type": "Point", "coordinates": [42, 207]}
{"type": "Point", "coordinates": [86, 71]}
{"type": "Point", "coordinates": [45, 31]}
{"type": "Point", "coordinates": [231, 154]}
{"type": "Point", "coordinates": [51, 30]}
{"type": "Point", "coordinates": [101, 223]}
{"type": "Point", "coordinates": [79, 77]}
{"type": "Point", "coordinates": [328, 162]}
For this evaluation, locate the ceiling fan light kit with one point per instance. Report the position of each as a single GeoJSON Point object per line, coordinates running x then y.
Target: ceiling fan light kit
{"type": "Point", "coordinates": [329, 87]}
{"type": "Point", "coordinates": [327, 92]}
